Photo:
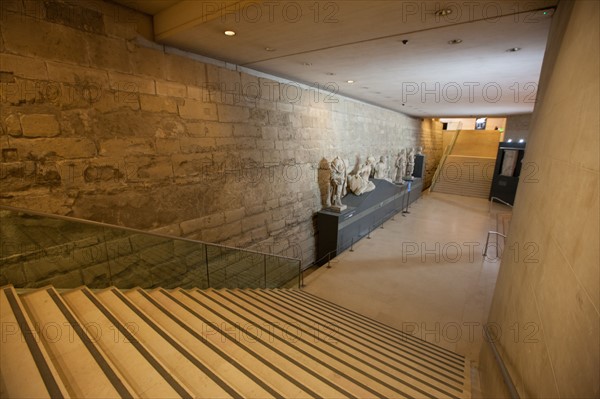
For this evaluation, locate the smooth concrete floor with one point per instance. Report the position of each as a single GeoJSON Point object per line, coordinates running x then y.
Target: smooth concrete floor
{"type": "Point", "coordinates": [423, 273]}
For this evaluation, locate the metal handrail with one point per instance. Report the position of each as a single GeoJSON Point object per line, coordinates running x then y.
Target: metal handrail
{"type": "Point", "coordinates": [446, 154]}
{"type": "Point", "coordinates": [499, 200]}
{"type": "Point", "coordinates": [133, 230]}
{"type": "Point", "coordinates": [487, 241]}
{"type": "Point", "coordinates": [159, 235]}
{"type": "Point", "coordinates": [505, 374]}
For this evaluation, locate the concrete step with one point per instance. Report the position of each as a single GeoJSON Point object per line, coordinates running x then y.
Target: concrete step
{"type": "Point", "coordinates": [193, 371]}
{"type": "Point", "coordinates": [215, 343]}
{"type": "Point", "coordinates": [119, 342]}
{"type": "Point", "coordinates": [23, 354]}
{"type": "Point", "coordinates": [71, 344]}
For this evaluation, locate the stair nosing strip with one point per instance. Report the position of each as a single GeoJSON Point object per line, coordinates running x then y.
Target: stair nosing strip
{"type": "Point", "coordinates": [40, 360]}
{"type": "Point", "coordinates": [94, 351]}
{"type": "Point", "coordinates": [216, 349]}
{"type": "Point", "coordinates": [256, 355]}
{"type": "Point", "coordinates": [177, 387]}
{"type": "Point", "coordinates": [352, 379]}
{"type": "Point", "coordinates": [180, 348]}
{"type": "Point", "coordinates": [412, 376]}
{"type": "Point", "coordinates": [373, 366]}
{"type": "Point", "coordinates": [355, 315]}
{"type": "Point", "coordinates": [396, 348]}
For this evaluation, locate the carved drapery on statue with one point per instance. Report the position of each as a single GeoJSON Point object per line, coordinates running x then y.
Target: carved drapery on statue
{"type": "Point", "coordinates": [359, 182]}
{"type": "Point", "coordinates": [338, 183]}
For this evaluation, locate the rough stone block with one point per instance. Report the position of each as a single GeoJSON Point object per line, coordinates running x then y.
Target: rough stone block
{"type": "Point", "coordinates": [12, 124]}
{"type": "Point", "coordinates": [218, 234]}
{"type": "Point", "coordinates": [196, 144]}
{"type": "Point", "coordinates": [192, 109]}
{"type": "Point", "coordinates": [90, 78]}
{"type": "Point", "coordinates": [170, 89]}
{"type": "Point", "coordinates": [198, 93]}
{"type": "Point", "coordinates": [216, 129]}
{"type": "Point", "coordinates": [187, 165]}
{"type": "Point", "coordinates": [255, 221]}
{"type": "Point", "coordinates": [167, 146]}
{"type": "Point", "coordinates": [122, 147]}
{"type": "Point", "coordinates": [108, 53]}
{"type": "Point", "coordinates": [130, 84]}
{"type": "Point", "coordinates": [53, 147]}
{"type": "Point", "coordinates": [35, 37]}
{"type": "Point", "coordinates": [234, 214]}
{"type": "Point", "coordinates": [149, 62]}
{"type": "Point", "coordinates": [184, 70]}
{"type": "Point", "coordinates": [230, 113]}
{"type": "Point", "coordinates": [246, 130]}
{"type": "Point", "coordinates": [158, 104]}
{"type": "Point", "coordinates": [193, 225]}
{"type": "Point", "coordinates": [40, 125]}
{"type": "Point", "coordinates": [25, 67]}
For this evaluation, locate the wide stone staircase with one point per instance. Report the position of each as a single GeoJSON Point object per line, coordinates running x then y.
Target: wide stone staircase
{"type": "Point", "coordinates": [254, 343]}
{"type": "Point", "coordinates": [464, 175]}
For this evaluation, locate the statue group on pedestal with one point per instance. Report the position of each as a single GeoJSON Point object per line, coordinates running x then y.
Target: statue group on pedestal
{"type": "Point", "coordinates": [358, 182]}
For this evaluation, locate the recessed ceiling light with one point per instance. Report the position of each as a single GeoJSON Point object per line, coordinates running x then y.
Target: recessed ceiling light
{"type": "Point", "coordinates": [307, 64]}
{"type": "Point", "coordinates": [269, 49]}
{"type": "Point", "coordinates": [443, 12]}
{"type": "Point", "coordinates": [229, 33]}
{"type": "Point", "coordinates": [455, 41]}
{"type": "Point", "coordinates": [509, 141]}
{"type": "Point", "coordinates": [350, 81]}
{"type": "Point", "coordinates": [513, 50]}
{"type": "Point", "coordinates": [521, 140]}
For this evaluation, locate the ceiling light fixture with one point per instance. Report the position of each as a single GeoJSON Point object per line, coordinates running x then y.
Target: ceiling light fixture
{"type": "Point", "coordinates": [307, 64]}
{"type": "Point", "coordinates": [509, 141]}
{"type": "Point", "coordinates": [455, 41]}
{"type": "Point", "coordinates": [443, 12]}
{"type": "Point", "coordinates": [350, 81]}
{"type": "Point", "coordinates": [513, 50]}
{"type": "Point", "coordinates": [269, 49]}
{"type": "Point", "coordinates": [229, 33]}
{"type": "Point", "coordinates": [521, 140]}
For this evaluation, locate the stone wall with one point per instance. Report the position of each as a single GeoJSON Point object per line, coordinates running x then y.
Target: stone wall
{"type": "Point", "coordinates": [100, 123]}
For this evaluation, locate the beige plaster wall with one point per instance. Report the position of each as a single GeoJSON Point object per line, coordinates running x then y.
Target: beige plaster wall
{"type": "Point", "coordinates": [546, 304]}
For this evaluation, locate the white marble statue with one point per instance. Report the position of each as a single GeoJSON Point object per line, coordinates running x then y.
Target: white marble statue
{"type": "Point", "coordinates": [381, 169]}
{"type": "Point", "coordinates": [419, 150]}
{"type": "Point", "coordinates": [338, 183]}
{"type": "Point", "coordinates": [400, 166]}
{"type": "Point", "coordinates": [359, 182]}
{"type": "Point", "coordinates": [371, 164]}
{"type": "Point", "coordinates": [410, 162]}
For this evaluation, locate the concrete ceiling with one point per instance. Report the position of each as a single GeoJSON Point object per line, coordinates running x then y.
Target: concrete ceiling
{"type": "Point", "coordinates": [327, 43]}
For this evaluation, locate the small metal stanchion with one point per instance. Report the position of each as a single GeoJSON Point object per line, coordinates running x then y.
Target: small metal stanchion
{"type": "Point", "coordinates": [409, 181]}
{"type": "Point", "coordinates": [352, 245]}
{"type": "Point", "coordinates": [329, 260]}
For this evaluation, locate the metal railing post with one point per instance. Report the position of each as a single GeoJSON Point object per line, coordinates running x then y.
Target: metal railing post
{"type": "Point", "coordinates": [206, 260]}
{"type": "Point", "coordinates": [265, 269]}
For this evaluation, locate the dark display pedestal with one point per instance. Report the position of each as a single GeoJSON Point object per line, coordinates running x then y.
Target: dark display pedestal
{"type": "Point", "coordinates": [338, 231]}
{"type": "Point", "coordinates": [505, 187]}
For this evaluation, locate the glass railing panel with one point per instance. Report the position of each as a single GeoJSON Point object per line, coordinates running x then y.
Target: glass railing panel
{"type": "Point", "coordinates": [281, 272]}
{"type": "Point", "coordinates": [234, 268]}
{"type": "Point", "coordinates": [38, 249]}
